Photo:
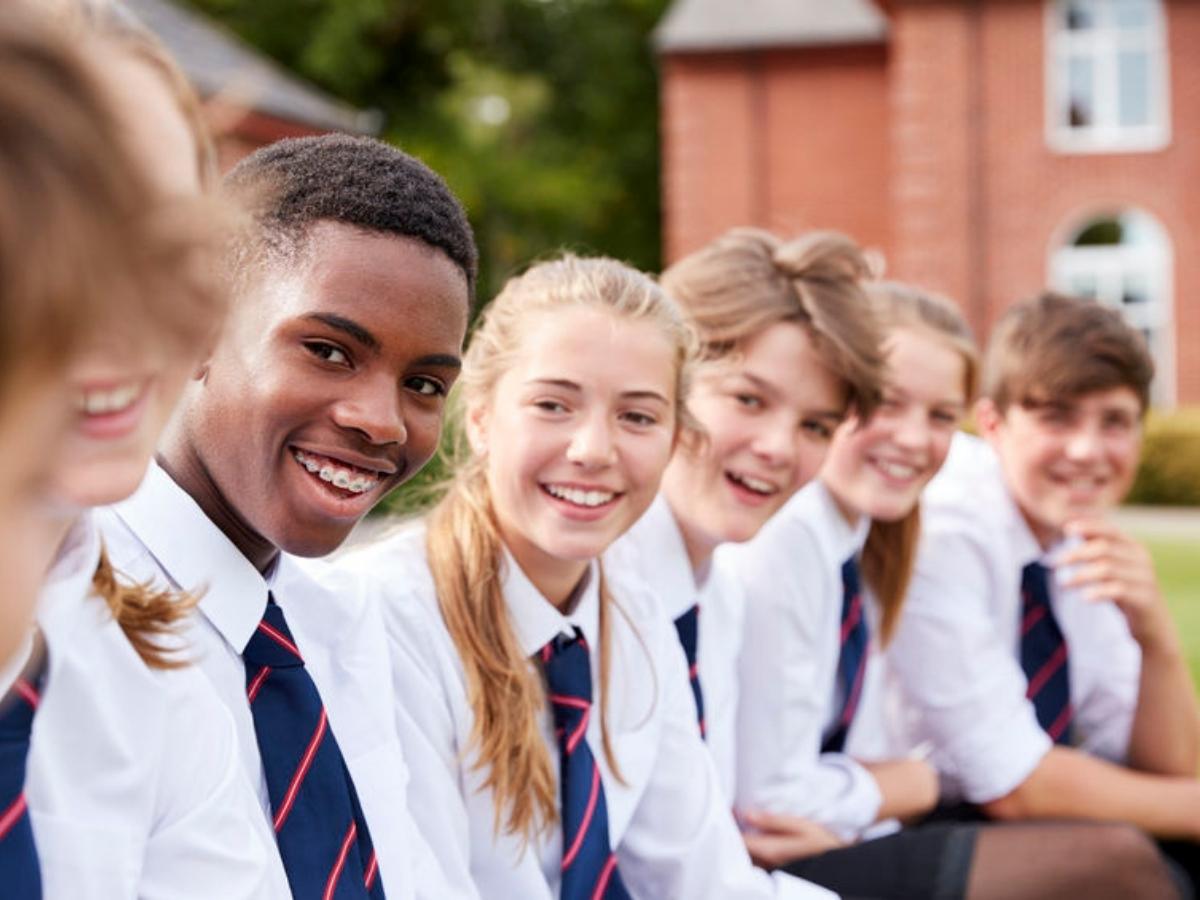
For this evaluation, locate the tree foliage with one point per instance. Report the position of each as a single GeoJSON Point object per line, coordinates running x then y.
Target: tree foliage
{"type": "Point", "coordinates": [541, 114]}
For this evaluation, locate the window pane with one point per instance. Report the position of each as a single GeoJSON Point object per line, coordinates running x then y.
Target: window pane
{"type": "Point", "coordinates": [1083, 284]}
{"type": "Point", "coordinates": [1133, 88]}
{"type": "Point", "coordinates": [1101, 232]}
{"type": "Point", "coordinates": [1136, 289]}
{"type": "Point", "coordinates": [1081, 92]}
{"type": "Point", "coordinates": [1132, 14]}
{"type": "Point", "coordinates": [1079, 15]}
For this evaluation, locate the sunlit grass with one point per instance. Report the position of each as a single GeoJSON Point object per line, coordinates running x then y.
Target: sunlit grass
{"type": "Point", "coordinates": [1178, 564]}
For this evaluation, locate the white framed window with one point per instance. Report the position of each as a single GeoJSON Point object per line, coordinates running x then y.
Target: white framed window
{"type": "Point", "coordinates": [1107, 76]}
{"type": "Point", "coordinates": [1124, 260]}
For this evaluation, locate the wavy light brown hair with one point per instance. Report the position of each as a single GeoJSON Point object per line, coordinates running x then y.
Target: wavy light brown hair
{"type": "Point", "coordinates": [749, 279]}
{"type": "Point", "coordinates": [86, 242]}
{"type": "Point", "coordinates": [465, 548]}
{"type": "Point", "coordinates": [891, 548]}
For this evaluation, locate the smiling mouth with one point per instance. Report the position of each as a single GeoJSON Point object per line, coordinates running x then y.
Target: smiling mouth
{"type": "Point", "coordinates": [752, 484]}
{"type": "Point", "coordinates": [582, 497]}
{"type": "Point", "coordinates": [108, 401]}
{"type": "Point", "coordinates": [897, 471]}
{"type": "Point", "coordinates": [337, 474]}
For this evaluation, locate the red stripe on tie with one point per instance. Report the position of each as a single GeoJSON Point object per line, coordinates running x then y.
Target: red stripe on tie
{"type": "Point", "coordinates": [26, 690]}
{"type": "Point", "coordinates": [605, 876]}
{"type": "Point", "coordinates": [339, 863]}
{"type": "Point", "coordinates": [1052, 665]}
{"type": "Point", "coordinates": [372, 871]}
{"type": "Point", "coordinates": [289, 799]}
{"type": "Point", "coordinates": [257, 683]}
{"type": "Point", "coordinates": [580, 730]}
{"type": "Point", "coordinates": [12, 815]}
{"type": "Point", "coordinates": [1032, 618]}
{"type": "Point", "coordinates": [1061, 723]}
{"type": "Point", "coordinates": [852, 618]}
{"type": "Point", "coordinates": [694, 671]}
{"type": "Point", "coordinates": [587, 818]}
{"type": "Point", "coordinates": [568, 700]}
{"type": "Point", "coordinates": [280, 639]}
{"type": "Point", "coordinates": [855, 691]}
{"type": "Point", "coordinates": [703, 728]}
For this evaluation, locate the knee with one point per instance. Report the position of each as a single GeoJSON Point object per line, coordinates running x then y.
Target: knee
{"type": "Point", "coordinates": [1128, 862]}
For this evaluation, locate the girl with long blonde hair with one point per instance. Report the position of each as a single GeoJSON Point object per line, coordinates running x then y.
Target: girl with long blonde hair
{"type": "Point", "coordinates": [551, 686]}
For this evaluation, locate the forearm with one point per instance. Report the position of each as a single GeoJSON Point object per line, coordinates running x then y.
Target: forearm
{"type": "Point", "coordinates": [1165, 739]}
{"type": "Point", "coordinates": [1068, 784]}
{"type": "Point", "coordinates": [908, 787]}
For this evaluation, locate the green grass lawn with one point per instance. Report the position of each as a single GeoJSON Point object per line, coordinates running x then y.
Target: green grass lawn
{"type": "Point", "coordinates": [1178, 563]}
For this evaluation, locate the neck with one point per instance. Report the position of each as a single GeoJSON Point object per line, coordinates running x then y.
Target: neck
{"type": "Point", "coordinates": [556, 579]}
{"type": "Point", "coordinates": [698, 545]}
{"type": "Point", "coordinates": [849, 514]}
{"type": "Point", "coordinates": [183, 463]}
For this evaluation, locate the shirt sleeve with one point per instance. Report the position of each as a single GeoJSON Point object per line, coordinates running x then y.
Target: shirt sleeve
{"type": "Point", "coordinates": [211, 838]}
{"type": "Point", "coordinates": [1106, 672]}
{"type": "Point", "coordinates": [683, 840]}
{"type": "Point", "coordinates": [958, 671]}
{"type": "Point", "coordinates": [426, 736]}
{"type": "Point", "coordinates": [788, 653]}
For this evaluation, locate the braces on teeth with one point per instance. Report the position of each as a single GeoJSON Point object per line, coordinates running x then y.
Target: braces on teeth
{"type": "Point", "coordinates": [338, 477]}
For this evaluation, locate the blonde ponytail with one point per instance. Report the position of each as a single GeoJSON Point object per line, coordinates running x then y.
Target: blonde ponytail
{"type": "Point", "coordinates": [147, 616]}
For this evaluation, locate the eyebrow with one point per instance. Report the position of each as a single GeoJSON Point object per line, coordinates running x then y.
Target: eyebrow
{"type": "Point", "coordinates": [568, 385]}
{"type": "Point", "coordinates": [346, 326]}
{"type": "Point", "coordinates": [368, 340]}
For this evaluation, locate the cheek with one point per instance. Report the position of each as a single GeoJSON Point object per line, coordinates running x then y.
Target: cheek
{"type": "Point", "coordinates": [649, 458]}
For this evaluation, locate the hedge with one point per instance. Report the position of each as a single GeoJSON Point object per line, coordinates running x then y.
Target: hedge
{"type": "Point", "coordinates": [1169, 474]}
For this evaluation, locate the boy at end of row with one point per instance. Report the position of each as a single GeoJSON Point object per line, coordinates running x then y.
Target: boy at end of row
{"type": "Point", "coordinates": [1037, 650]}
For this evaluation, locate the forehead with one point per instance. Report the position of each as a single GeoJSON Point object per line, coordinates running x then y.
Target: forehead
{"type": "Point", "coordinates": [389, 283]}
{"type": "Point", "coordinates": [783, 358]}
{"type": "Point", "coordinates": [1121, 399]}
{"type": "Point", "coordinates": [920, 361]}
{"type": "Point", "coordinates": [584, 344]}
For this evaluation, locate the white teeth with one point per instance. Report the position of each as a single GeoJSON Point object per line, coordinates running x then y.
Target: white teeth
{"type": "Point", "coordinates": [897, 470]}
{"type": "Point", "coordinates": [100, 402]}
{"type": "Point", "coordinates": [755, 484]}
{"type": "Point", "coordinates": [580, 497]}
{"type": "Point", "coordinates": [345, 479]}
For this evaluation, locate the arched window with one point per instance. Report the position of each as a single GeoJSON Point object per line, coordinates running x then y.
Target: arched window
{"type": "Point", "coordinates": [1124, 260]}
{"type": "Point", "coordinates": [1106, 67]}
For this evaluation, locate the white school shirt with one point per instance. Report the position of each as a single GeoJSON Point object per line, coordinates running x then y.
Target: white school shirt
{"type": "Point", "coordinates": [672, 829]}
{"type": "Point", "coordinates": [956, 653]}
{"type": "Point", "coordinates": [133, 780]}
{"type": "Point", "coordinates": [791, 572]}
{"type": "Point", "coordinates": [653, 551]}
{"type": "Point", "coordinates": [161, 535]}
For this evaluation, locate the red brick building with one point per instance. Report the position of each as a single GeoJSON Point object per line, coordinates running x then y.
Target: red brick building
{"type": "Point", "coordinates": [987, 147]}
{"type": "Point", "coordinates": [250, 100]}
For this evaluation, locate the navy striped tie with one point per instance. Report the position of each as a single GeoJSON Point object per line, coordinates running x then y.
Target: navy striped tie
{"type": "Point", "coordinates": [852, 658]}
{"type": "Point", "coordinates": [20, 874]}
{"type": "Point", "coordinates": [1044, 656]}
{"type": "Point", "coordinates": [688, 628]}
{"type": "Point", "coordinates": [319, 826]}
{"type": "Point", "coordinates": [589, 866]}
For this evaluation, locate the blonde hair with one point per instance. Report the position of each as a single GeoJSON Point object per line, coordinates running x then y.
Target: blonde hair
{"type": "Point", "coordinates": [465, 548]}
{"type": "Point", "coordinates": [749, 279]}
{"type": "Point", "coordinates": [890, 552]}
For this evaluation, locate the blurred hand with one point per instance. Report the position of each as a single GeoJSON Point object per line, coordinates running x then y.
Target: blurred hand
{"type": "Point", "coordinates": [908, 788]}
{"type": "Point", "coordinates": [774, 839]}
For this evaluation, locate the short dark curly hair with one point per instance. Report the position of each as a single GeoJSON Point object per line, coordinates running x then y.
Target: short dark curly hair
{"type": "Point", "coordinates": [357, 181]}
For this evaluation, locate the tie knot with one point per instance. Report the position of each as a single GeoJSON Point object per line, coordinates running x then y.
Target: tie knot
{"type": "Point", "coordinates": [272, 644]}
{"type": "Point", "coordinates": [568, 676]}
{"type": "Point", "coordinates": [1035, 584]}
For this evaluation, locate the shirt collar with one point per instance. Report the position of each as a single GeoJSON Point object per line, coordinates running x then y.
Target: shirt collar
{"type": "Point", "coordinates": [845, 540]}
{"type": "Point", "coordinates": [536, 620]}
{"type": "Point", "coordinates": [196, 555]}
{"type": "Point", "coordinates": [70, 577]}
{"type": "Point", "coordinates": [1025, 547]}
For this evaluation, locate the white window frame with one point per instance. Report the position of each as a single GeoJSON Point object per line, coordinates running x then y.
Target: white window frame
{"type": "Point", "coordinates": [1102, 44]}
{"type": "Point", "coordinates": [1109, 265]}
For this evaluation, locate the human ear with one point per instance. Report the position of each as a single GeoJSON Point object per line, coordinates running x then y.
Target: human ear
{"type": "Point", "coordinates": [988, 418]}
{"type": "Point", "coordinates": [476, 425]}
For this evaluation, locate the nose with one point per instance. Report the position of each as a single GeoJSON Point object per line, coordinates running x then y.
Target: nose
{"type": "Point", "coordinates": [775, 444]}
{"type": "Point", "coordinates": [912, 429]}
{"type": "Point", "coordinates": [592, 443]}
{"type": "Point", "coordinates": [1083, 443]}
{"type": "Point", "coordinates": [372, 408]}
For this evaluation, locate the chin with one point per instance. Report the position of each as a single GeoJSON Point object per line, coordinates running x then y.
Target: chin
{"type": "Point", "coordinates": [102, 485]}
{"type": "Point", "coordinates": [311, 544]}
